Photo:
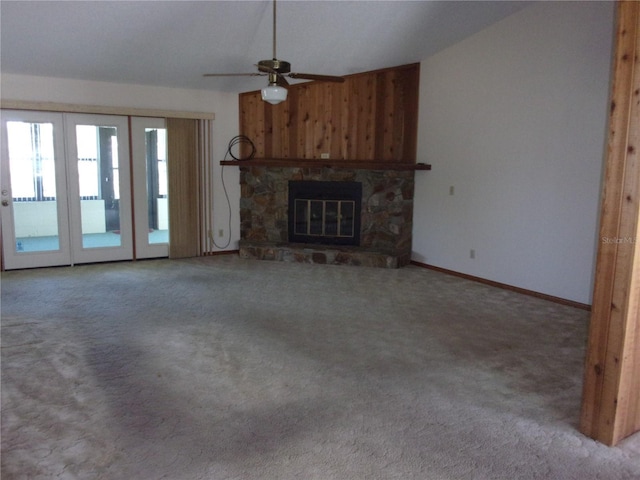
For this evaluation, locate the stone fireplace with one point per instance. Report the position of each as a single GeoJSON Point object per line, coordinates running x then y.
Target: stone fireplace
{"type": "Point", "coordinates": [363, 130]}
{"type": "Point", "coordinates": [383, 223]}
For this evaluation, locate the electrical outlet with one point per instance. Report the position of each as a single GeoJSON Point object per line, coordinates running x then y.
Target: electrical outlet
{"type": "Point", "coordinates": [472, 253]}
{"type": "Point", "coordinates": [221, 232]}
{"type": "Point", "coordinates": [451, 190]}
{"type": "Point", "coordinates": [324, 156]}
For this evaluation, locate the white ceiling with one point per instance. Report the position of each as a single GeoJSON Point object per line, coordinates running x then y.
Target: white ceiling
{"type": "Point", "coordinates": [172, 43]}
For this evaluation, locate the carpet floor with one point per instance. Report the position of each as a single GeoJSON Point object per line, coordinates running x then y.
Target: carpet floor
{"type": "Point", "coordinates": [222, 368]}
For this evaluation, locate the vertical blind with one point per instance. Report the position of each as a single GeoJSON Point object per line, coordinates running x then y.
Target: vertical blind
{"type": "Point", "coordinates": [205, 165]}
{"type": "Point", "coordinates": [190, 180]}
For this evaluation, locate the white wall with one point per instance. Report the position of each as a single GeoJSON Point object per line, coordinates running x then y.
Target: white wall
{"type": "Point", "coordinates": [223, 105]}
{"type": "Point", "coordinates": [514, 118]}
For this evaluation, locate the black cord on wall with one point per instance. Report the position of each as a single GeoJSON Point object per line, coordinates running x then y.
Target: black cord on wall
{"type": "Point", "coordinates": [237, 140]}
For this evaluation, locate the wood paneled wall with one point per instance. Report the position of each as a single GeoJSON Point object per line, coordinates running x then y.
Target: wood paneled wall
{"type": "Point", "coordinates": [371, 116]}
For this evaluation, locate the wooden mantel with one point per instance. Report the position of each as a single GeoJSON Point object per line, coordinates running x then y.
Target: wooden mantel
{"type": "Point", "coordinates": [326, 163]}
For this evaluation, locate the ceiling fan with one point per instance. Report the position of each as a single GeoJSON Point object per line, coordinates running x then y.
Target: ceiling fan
{"type": "Point", "coordinates": [277, 70]}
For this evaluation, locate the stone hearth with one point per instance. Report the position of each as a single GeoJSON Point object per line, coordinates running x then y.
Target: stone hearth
{"type": "Point", "coordinates": [386, 217]}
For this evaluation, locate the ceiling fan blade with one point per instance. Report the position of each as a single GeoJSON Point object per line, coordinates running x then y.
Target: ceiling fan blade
{"type": "Point", "coordinates": [281, 81]}
{"type": "Point", "coordinates": [264, 68]}
{"type": "Point", "coordinates": [320, 78]}
{"type": "Point", "coordinates": [233, 75]}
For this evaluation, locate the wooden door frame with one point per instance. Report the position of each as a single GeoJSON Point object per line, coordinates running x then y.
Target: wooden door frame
{"type": "Point", "coordinates": [611, 392]}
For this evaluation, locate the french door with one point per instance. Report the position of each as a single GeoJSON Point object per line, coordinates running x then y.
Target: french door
{"type": "Point", "coordinates": [99, 188]}
{"type": "Point", "coordinates": [66, 190]}
{"type": "Point", "coordinates": [35, 219]}
{"type": "Point", "coordinates": [150, 187]}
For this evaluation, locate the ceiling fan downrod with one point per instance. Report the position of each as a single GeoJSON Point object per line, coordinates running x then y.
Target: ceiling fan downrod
{"type": "Point", "coordinates": [274, 29]}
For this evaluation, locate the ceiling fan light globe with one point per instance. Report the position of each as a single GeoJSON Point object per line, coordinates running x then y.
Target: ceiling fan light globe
{"type": "Point", "coordinates": [274, 94]}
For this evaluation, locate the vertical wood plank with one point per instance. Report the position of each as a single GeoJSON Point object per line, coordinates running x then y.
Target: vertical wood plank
{"type": "Point", "coordinates": [252, 112]}
{"type": "Point", "coordinates": [390, 126]}
{"type": "Point", "coordinates": [276, 129]}
{"type": "Point", "coordinates": [310, 118]}
{"type": "Point", "coordinates": [629, 419]}
{"type": "Point", "coordinates": [396, 118]}
{"type": "Point", "coordinates": [281, 130]}
{"type": "Point", "coordinates": [244, 120]}
{"type": "Point", "coordinates": [273, 130]}
{"type": "Point", "coordinates": [384, 101]}
{"type": "Point", "coordinates": [611, 393]}
{"type": "Point", "coordinates": [361, 96]}
{"type": "Point", "coordinates": [314, 126]}
{"type": "Point", "coordinates": [367, 114]}
{"type": "Point", "coordinates": [268, 136]}
{"type": "Point", "coordinates": [349, 120]}
{"type": "Point", "coordinates": [410, 97]}
{"type": "Point", "coordinates": [292, 122]}
{"type": "Point", "coordinates": [260, 112]}
{"type": "Point", "coordinates": [322, 133]}
{"type": "Point", "coordinates": [305, 132]}
{"type": "Point", "coordinates": [336, 122]}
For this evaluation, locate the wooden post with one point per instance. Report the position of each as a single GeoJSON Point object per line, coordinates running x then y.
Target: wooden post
{"type": "Point", "coordinates": [611, 394]}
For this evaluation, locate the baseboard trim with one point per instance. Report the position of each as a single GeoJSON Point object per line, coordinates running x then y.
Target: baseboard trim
{"type": "Point", "coordinates": [222, 252]}
{"type": "Point", "coordinates": [524, 291]}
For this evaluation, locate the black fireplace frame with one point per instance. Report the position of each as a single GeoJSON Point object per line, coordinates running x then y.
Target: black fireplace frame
{"type": "Point", "coordinates": [326, 191]}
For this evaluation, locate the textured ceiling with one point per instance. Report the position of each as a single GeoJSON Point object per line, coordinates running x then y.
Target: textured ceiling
{"type": "Point", "coordinates": [172, 43]}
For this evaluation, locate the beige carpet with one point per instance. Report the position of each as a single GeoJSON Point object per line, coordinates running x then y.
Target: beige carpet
{"type": "Point", "coordinates": [222, 368]}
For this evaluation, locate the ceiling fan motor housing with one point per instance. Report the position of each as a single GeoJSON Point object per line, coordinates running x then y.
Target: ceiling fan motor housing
{"type": "Point", "coordinates": [274, 65]}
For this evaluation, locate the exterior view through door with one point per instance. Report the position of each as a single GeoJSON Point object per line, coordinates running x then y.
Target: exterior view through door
{"type": "Point", "coordinates": [67, 189]}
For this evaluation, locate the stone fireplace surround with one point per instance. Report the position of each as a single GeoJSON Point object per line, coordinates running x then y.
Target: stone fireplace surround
{"type": "Point", "coordinates": [386, 217]}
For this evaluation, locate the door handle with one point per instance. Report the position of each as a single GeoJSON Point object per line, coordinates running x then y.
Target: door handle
{"type": "Point", "coordinates": [5, 203]}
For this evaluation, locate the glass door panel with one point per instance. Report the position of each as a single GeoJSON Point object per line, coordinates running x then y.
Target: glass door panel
{"type": "Point", "coordinates": [99, 189]}
{"type": "Point", "coordinates": [157, 188]}
{"type": "Point", "coordinates": [97, 165]}
{"type": "Point", "coordinates": [149, 147]}
{"type": "Point", "coordinates": [33, 192]}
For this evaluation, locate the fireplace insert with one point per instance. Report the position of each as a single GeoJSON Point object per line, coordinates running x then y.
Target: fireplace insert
{"type": "Point", "coordinates": [326, 213]}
